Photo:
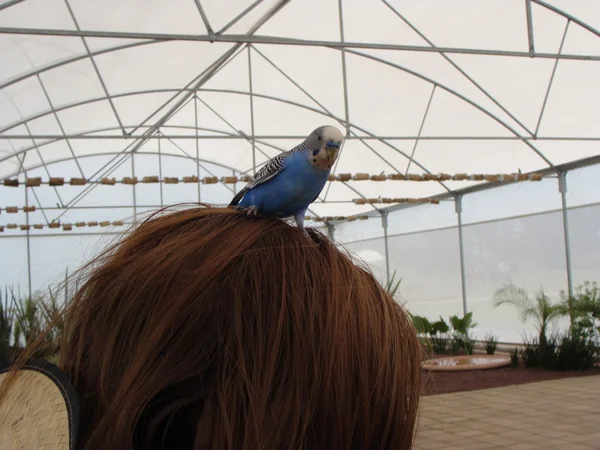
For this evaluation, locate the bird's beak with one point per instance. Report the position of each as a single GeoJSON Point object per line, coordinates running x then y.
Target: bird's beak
{"type": "Point", "coordinates": [332, 151]}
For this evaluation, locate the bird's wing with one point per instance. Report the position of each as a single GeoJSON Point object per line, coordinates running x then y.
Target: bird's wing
{"type": "Point", "coordinates": [273, 167]}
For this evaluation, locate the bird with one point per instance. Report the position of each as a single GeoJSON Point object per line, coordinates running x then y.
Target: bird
{"type": "Point", "coordinates": [289, 182]}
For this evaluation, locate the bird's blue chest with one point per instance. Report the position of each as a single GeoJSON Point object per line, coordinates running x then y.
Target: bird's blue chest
{"type": "Point", "coordinates": [290, 191]}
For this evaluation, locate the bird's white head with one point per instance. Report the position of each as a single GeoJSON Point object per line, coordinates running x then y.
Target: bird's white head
{"type": "Point", "coordinates": [323, 146]}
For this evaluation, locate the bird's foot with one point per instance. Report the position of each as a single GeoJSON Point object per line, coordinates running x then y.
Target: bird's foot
{"type": "Point", "coordinates": [250, 211]}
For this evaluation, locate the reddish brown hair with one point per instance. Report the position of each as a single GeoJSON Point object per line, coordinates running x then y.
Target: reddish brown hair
{"type": "Point", "coordinates": [205, 328]}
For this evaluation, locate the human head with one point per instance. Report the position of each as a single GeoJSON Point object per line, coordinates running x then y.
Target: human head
{"type": "Point", "coordinates": [206, 328]}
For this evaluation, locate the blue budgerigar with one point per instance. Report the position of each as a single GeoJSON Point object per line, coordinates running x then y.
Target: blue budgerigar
{"type": "Point", "coordinates": [288, 183]}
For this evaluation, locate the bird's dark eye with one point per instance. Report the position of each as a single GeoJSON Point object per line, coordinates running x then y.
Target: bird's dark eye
{"type": "Point", "coordinates": [316, 152]}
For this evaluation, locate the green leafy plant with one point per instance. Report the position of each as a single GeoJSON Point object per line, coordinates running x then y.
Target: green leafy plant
{"type": "Point", "coordinates": [423, 327]}
{"type": "Point", "coordinates": [469, 346]}
{"type": "Point", "coordinates": [584, 302]}
{"type": "Point", "coordinates": [531, 353]}
{"type": "Point", "coordinates": [24, 319]}
{"type": "Point", "coordinates": [540, 309]}
{"type": "Point", "coordinates": [548, 353]}
{"type": "Point", "coordinates": [575, 352]}
{"type": "Point", "coordinates": [439, 336]}
{"type": "Point", "coordinates": [422, 324]}
{"type": "Point", "coordinates": [491, 342]}
{"type": "Point", "coordinates": [583, 309]}
{"type": "Point", "coordinates": [514, 357]}
{"type": "Point", "coordinates": [6, 324]}
{"type": "Point", "coordinates": [460, 336]}
{"type": "Point", "coordinates": [560, 352]}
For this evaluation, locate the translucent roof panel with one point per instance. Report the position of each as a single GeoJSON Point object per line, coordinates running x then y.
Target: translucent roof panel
{"type": "Point", "coordinates": [213, 88]}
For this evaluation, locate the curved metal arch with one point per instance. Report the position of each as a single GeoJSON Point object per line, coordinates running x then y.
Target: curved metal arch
{"type": "Point", "coordinates": [292, 103]}
{"type": "Point", "coordinates": [39, 115]}
{"type": "Point", "coordinates": [89, 155]}
{"type": "Point", "coordinates": [155, 41]}
{"type": "Point", "coordinates": [374, 58]}
{"type": "Point", "coordinates": [97, 130]}
{"type": "Point", "coordinates": [169, 155]}
{"type": "Point", "coordinates": [460, 96]}
{"type": "Point", "coordinates": [567, 16]}
{"type": "Point", "coordinates": [357, 53]}
{"type": "Point", "coordinates": [73, 59]}
{"type": "Point", "coordinates": [231, 91]}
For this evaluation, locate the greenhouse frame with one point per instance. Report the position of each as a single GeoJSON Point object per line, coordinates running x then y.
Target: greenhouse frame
{"type": "Point", "coordinates": [472, 145]}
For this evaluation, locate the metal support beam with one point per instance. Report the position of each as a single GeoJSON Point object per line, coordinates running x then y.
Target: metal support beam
{"type": "Point", "coordinates": [562, 42]}
{"type": "Point", "coordinates": [529, 27]}
{"type": "Point", "coordinates": [250, 90]}
{"type": "Point", "coordinates": [160, 174]}
{"type": "Point", "coordinates": [457, 67]}
{"type": "Point", "coordinates": [200, 165]}
{"type": "Point", "coordinates": [56, 117]}
{"type": "Point", "coordinates": [28, 243]}
{"type": "Point", "coordinates": [239, 133]}
{"type": "Point", "coordinates": [133, 189]}
{"type": "Point", "coordinates": [92, 155]}
{"type": "Point", "coordinates": [93, 61]}
{"type": "Point", "coordinates": [128, 151]}
{"type": "Point", "coordinates": [9, 4]}
{"type": "Point", "coordinates": [384, 224]}
{"type": "Point", "coordinates": [458, 208]}
{"type": "Point", "coordinates": [328, 113]}
{"type": "Point", "coordinates": [330, 231]}
{"type": "Point", "coordinates": [209, 29]}
{"type": "Point", "coordinates": [240, 16]}
{"type": "Point", "coordinates": [276, 40]}
{"type": "Point", "coordinates": [43, 163]}
{"type": "Point", "coordinates": [562, 187]}
{"type": "Point", "coordinates": [455, 93]}
{"type": "Point", "coordinates": [412, 155]}
{"type": "Point", "coordinates": [344, 73]}
{"type": "Point", "coordinates": [567, 16]}
{"type": "Point", "coordinates": [197, 145]}
{"type": "Point", "coordinates": [93, 135]}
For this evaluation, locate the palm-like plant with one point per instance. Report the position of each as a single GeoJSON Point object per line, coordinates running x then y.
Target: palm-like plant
{"type": "Point", "coordinates": [461, 327]}
{"type": "Point", "coordinates": [541, 310]}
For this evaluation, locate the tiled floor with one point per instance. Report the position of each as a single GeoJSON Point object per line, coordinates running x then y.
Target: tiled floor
{"type": "Point", "coordinates": [558, 414]}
